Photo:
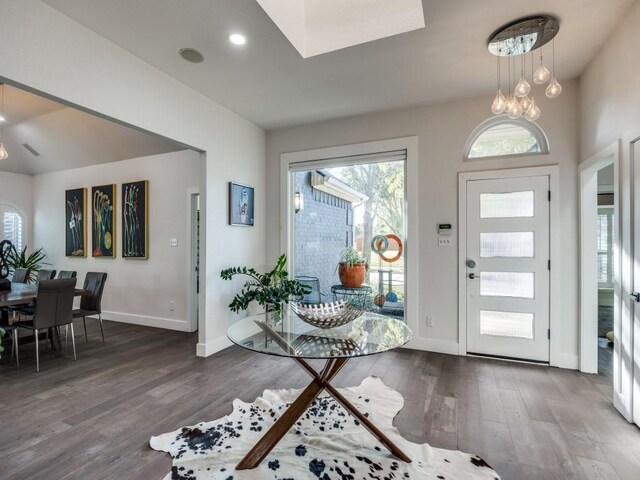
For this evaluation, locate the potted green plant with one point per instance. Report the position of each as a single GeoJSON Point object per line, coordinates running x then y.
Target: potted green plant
{"type": "Point", "coordinates": [272, 290]}
{"type": "Point", "coordinates": [352, 268]}
{"type": "Point", "coordinates": [20, 259]}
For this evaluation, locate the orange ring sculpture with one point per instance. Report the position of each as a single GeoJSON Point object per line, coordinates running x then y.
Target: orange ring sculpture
{"type": "Point", "coordinates": [391, 236]}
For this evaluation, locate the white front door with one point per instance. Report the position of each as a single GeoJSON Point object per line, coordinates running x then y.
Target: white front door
{"type": "Point", "coordinates": [507, 267]}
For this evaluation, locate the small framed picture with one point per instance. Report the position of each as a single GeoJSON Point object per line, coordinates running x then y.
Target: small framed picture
{"type": "Point", "coordinates": [240, 204]}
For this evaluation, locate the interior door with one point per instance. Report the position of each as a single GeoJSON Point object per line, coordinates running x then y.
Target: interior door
{"type": "Point", "coordinates": [508, 267]}
{"type": "Point", "coordinates": [619, 372]}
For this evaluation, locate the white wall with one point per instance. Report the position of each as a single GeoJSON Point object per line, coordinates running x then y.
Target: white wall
{"type": "Point", "coordinates": [137, 291]}
{"type": "Point", "coordinates": [442, 131]}
{"type": "Point", "coordinates": [17, 190]}
{"type": "Point", "coordinates": [49, 52]}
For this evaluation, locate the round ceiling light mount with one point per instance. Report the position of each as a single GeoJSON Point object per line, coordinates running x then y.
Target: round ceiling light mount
{"type": "Point", "coordinates": [237, 39]}
{"type": "Point", "coordinates": [191, 55]}
{"type": "Point", "coordinates": [523, 35]}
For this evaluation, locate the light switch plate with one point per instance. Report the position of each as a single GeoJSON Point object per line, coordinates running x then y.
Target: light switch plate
{"type": "Point", "coordinates": [445, 241]}
{"type": "Point", "coordinates": [173, 242]}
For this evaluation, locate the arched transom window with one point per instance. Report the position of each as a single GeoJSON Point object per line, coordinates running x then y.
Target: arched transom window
{"type": "Point", "coordinates": [502, 136]}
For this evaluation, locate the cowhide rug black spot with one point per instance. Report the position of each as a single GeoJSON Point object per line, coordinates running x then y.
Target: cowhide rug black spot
{"type": "Point", "coordinates": [326, 444]}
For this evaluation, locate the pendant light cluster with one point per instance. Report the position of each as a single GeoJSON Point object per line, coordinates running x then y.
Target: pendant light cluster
{"type": "Point", "coordinates": [515, 41]}
{"type": "Point", "coordinates": [3, 151]}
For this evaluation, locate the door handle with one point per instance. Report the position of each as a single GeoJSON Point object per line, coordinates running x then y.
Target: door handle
{"type": "Point", "coordinates": [636, 296]}
{"type": "Point", "coordinates": [472, 276]}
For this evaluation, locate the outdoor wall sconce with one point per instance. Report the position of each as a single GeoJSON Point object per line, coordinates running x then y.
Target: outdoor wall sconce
{"type": "Point", "coordinates": [298, 202]}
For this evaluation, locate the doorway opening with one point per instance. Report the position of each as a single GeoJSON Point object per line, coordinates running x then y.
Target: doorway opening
{"type": "Point", "coordinates": [605, 223]}
{"type": "Point", "coordinates": [194, 264]}
{"type": "Point", "coordinates": [599, 264]}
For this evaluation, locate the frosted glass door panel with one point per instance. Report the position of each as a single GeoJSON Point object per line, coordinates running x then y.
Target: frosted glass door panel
{"type": "Point", "coordinates": [506, 324]}
{"type": "Point", "coordinates": [506, 205]}
{"type": "Point", "coordinates": [506, 284]}
{"type": "Point", "coordinates": [506, 244]}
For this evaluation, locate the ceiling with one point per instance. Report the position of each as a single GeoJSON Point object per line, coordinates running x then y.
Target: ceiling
{"type": "Point", "coordinates": [65, 137]}
{"type": "Point", "coordinates": [269, 83]}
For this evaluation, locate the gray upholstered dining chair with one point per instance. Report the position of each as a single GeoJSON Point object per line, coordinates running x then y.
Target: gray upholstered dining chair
{"type": "Point", "coordinates": [91, 305]}
{"type": "Point", "coordinates": [53, 309]}
{"type": "Point", "coordinates": [44, 274]}
{"type": "Point", "coordinates": [67, 274]}
{"type": "Point", "coordinates": [21, 275]}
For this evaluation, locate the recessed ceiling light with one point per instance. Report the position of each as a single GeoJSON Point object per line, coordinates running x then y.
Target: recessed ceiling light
{"type": "Point", "coordinates": [237, 39]}
{"type": "Point", "coordinates": [2, 119]}
{"type": "Point", "coordinates": [191, 55]}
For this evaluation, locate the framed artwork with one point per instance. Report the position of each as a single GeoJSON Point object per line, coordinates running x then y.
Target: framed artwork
{"type": "Point", "coordinates": [240, 204]}
{"type": "Point", "coordinates": [75, 222]}
{"type": "Point", "coordinates": [103, 228]}
{"type": "Point", "coordinates": [135, 219]}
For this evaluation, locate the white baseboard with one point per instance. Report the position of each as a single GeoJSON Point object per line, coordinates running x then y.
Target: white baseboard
{"type": "Point", "coordinates": [168, 323]}
{"type": "Point", "coordinates": [209, 348]}
{"type": "Point", "coordinates": [433, 345]}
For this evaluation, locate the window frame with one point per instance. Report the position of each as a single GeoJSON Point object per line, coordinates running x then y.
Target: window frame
{"type": "Point", "coordinates": [8, 206]}
{"type": "Point", "coordinates": [532, 127]}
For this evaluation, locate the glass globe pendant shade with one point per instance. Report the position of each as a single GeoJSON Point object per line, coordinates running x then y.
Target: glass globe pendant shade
{"type": "Point", "coordinates": [533, 112]}
{"type": "Point", "coordinates": [3, 152]}
{"type": "Point", "coordinates": [525, 102]}
{"type": "Point", "coordinates": [553, 89]}
{"type": "Point", "coordinates": [499, 103]}
{"type": "Point", "coordinates": [541, 75]}
{"type": "Point", "coordinates": [514, 110]}
{"type": "Point", "coordinates": [522, 88]}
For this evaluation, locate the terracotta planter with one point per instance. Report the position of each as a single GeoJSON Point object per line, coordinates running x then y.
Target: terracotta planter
{"type": "Point", "coordinates": [352, 276]}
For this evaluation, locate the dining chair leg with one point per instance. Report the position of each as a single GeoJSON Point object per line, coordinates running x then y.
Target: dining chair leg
{"type": "Point", "coordinates": [73, 342]}
{"type": "Point", "coordinates": [46, 339]}
{"type": "Point", "coordinates": [66, 338]}
{"type": "Point", "coordinates": [84, 320]}
{"type": "Point", "coordinates": [101, 329]}
{"type": "Point", "coordinates": [37, 353]}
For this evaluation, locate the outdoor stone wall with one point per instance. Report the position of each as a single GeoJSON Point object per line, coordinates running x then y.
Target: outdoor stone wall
{"type": "Point", "coordinates": [322, 230]}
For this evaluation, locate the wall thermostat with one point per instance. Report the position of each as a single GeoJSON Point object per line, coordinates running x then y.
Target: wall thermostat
{"type": "Point", "coordinates": [444, 229]}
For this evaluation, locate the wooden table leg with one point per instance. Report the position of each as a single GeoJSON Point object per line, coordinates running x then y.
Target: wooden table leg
{"type": "Point", "coordinates": [280, 427]}
{"type": "Point", "coordinates": [382, 438]}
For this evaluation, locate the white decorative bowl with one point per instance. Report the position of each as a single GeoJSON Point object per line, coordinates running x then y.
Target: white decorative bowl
{"type": "Point", "coordinates": [326, 315]}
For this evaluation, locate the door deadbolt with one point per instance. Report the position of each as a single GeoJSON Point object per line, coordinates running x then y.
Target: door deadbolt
{"type": "Point", "coordinates": [471, 263]}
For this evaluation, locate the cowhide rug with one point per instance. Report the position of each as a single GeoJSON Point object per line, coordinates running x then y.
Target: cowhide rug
{"type": "Point", "coordinates": [326, 444]}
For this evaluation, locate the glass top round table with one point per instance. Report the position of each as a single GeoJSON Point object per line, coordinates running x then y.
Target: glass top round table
{"type": "Point", "coordinates": [291, 337]}
{"type": "Point", "coordinates": [368, 334]}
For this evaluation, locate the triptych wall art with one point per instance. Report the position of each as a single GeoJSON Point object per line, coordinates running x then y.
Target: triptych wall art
{"type": "Point", "coordinates": [134, 214]}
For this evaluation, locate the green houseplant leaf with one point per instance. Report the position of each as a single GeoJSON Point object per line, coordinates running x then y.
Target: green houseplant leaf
{"type": "Point", "coordinates": [272, 290]}
{"type": "Point", "coordinates": [20, 259]}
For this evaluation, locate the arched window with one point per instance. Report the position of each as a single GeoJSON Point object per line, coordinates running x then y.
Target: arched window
{"type": "Point", "coordinates": [13, 225]}
{"type": "Point", "coordinates": [501, 137]}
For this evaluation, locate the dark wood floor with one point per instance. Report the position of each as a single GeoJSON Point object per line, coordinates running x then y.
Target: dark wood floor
{"type": "Point", "coordinates": [92, 419]}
